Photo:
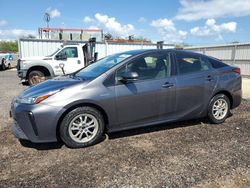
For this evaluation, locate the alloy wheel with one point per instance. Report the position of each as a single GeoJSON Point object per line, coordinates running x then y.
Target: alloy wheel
{"type": "Point", "coordinates": [83, 128]}
{"type": "Point", "coordinates": [220, 109]}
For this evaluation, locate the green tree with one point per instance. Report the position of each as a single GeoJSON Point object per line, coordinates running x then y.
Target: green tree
{"type": "Point", "coordinates": [8, 46]}
{"type": "Point", "coordinates": [30, 37]}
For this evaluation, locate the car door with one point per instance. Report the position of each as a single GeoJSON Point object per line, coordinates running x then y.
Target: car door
{"type": "Point", "coordinates": [149, 98]}
{"type": "Point", "coordinates": [195, 84]}
{"type": "Point", "coordinates": [73, 61]}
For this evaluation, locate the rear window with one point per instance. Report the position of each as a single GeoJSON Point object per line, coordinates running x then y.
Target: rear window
{"type": "Point", "coordinates": [216, 63]}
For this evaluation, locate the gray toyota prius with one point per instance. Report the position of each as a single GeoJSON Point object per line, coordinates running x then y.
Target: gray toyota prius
{"type": "Point", "coordinates": [125, 91]}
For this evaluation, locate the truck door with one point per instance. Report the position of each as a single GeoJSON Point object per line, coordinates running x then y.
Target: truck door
{"type": "Point", "coordinates": [73, 62]}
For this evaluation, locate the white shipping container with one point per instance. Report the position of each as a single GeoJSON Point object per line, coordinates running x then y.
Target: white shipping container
{"type": "Point", "coordinates": [38, 47]}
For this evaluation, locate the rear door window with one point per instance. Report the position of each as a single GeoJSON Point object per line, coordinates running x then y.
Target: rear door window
{"type": "Point", "coordinates": [216, 63]}
{"type": "Point", "coordinates": [188, 63]}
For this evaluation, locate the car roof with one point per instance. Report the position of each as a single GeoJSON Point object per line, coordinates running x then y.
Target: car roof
{"type": "Point", "coordinates": [142, 51]}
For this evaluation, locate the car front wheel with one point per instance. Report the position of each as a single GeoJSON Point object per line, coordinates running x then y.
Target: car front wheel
{"type": "Point", "coordinates": [82, 127]}
{"type": "Point", "coordinates": [218, 109]}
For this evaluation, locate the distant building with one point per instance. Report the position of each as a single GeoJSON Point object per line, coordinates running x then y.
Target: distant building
{"type": "Point", "coordinates": [70, 34]}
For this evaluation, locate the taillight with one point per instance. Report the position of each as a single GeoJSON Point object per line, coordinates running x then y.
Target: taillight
{"type": "Point", "coordinates": [236, 70]}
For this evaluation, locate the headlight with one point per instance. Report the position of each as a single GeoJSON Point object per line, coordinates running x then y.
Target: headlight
{"type": "Point", "coordinates": [38, 99]}
{"type": "Point", "coordinates": [26, 100]}
{"type": "Point", "coordinates": [23, 64]}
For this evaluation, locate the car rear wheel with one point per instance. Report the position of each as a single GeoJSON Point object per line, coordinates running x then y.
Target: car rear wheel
{"type": "Point", "coordinates": [36, 77]}
{"type": "Point", "coordinates": [82, 127]}
{"type": "Point", "coordinates": [218, 109]}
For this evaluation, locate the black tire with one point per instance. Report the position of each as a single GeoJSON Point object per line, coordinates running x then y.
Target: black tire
{"type": "Point", "coordinates": [9, 66]}
{"type": "Point", "coordinates": [67, 122]}
{"type": "Point", "coordinates": [211, 112]}
{"type": "Point", "coordinates": [3, 67]}
{"type": "Point", "coordinates": [35, 77]}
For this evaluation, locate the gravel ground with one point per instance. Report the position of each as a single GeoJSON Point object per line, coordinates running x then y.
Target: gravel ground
{"type": "Point", "coordinates": [186, 154]}
{"type": "Point", "coordinates": [10, 87]}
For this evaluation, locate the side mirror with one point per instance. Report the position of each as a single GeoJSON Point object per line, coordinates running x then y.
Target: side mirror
{"type": "Point", "coordinates": [61, 57]}
{"type": "Point", "coordinates": [129, 77]}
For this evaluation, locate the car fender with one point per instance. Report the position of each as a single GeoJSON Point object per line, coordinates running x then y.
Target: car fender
{"type": "Point", "coordinates": [86, 102]}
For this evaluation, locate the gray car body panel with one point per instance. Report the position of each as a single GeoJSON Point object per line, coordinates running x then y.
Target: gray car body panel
{"type": "Point", "coordinates": [126, 106]}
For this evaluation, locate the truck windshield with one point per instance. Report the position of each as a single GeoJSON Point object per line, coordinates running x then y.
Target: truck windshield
{"type": "Point", "coordinates": [94, 70]}
{"type": "Point", "coordinates": [53, 53]}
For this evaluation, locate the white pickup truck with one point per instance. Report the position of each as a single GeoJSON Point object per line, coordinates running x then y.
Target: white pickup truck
{"type": "Point", "coordinates": [66, 60]}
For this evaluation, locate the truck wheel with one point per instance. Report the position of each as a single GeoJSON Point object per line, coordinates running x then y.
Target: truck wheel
{"type": "Point", "coordinates": [36, 77]}
{"type": "Point", "coordinates": [3, 64]}
{"type": "Point", "coordinates": [82, 127]}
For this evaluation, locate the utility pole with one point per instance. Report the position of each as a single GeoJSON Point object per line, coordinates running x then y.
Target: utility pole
{"type": "Point", "coordinates": [47, 20]}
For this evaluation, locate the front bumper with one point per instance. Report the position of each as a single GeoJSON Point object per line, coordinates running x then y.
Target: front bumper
{"type": "Point", "coordinates": [36, 123]}
{"type": "Point", "coordinates": [18, 132]}
{"type": "Point", "coordinates": [22, 74]}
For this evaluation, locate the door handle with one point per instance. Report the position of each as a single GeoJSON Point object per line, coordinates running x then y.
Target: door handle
{"type": "Point", "coordinates": [79, 61]}
{"type": "Point", "coordinates": [167, 85]}
{"type": "Point", "coordinates": [209, 78]}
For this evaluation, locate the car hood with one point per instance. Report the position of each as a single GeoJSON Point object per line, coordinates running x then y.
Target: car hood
{"type": "Point", "coordinates": [57, 83]}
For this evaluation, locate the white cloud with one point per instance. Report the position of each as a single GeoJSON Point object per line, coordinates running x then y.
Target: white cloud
{"type": "Point", "coordinates": [93, 27]}
{"type": "Point", "coordinates": [203, 9]}
{"type": "Point", "coordinates": [111, 25]}
{"type": "Point", "coordinates": [3, 23]}
{"type": "Point", "coordinates": [142, 19]}
{"type": "Point", "coordinates": [88, 19]}
{"type": "Point", "coordinates": [54, 13]}
{"type": "Point", "coordinates": [211, 29]}
{"type": "Point", "coordinates": [167, 30]}
{"type": "Point", "coordinates": [12, 34]}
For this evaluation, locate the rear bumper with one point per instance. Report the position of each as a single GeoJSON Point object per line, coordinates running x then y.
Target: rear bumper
{"type": "Point", "coordinates": [237, 97]}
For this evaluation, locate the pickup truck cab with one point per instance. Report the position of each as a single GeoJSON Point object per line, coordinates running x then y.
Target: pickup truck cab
{"type": "Point", "coordinates": [65, 60]}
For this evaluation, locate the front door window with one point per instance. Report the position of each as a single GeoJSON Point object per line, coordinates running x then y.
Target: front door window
{"type": "Point", "coordinates": [148, 67]}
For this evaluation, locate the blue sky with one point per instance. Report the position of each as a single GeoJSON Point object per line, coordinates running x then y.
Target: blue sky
{"type": "Point", "coordinates": [195, 22]}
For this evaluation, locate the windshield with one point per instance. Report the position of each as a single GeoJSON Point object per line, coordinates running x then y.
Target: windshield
{"type": "Point", "coordinates": [94, 70]}
{"type": "Point", "coordinates": [53, 53]}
